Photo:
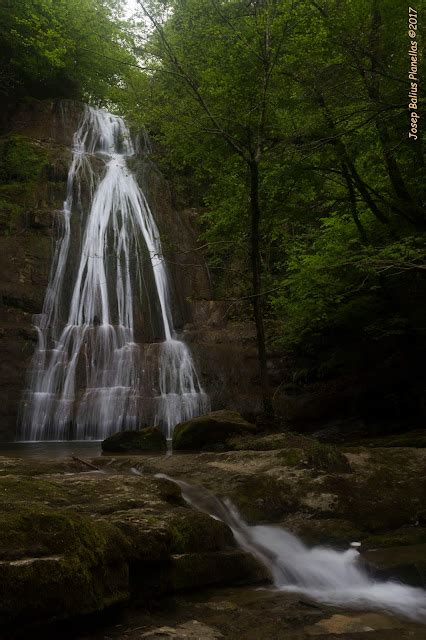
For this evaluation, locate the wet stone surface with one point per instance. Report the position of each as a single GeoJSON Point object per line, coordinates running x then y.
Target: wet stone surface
{"type": "Point", "coordinates": [253, 614]}
{"type": "Point", "coordinates": [111, 533]}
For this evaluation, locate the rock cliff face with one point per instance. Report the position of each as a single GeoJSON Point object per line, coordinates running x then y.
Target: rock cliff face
{"type": "Point", "coordinates": [35, 149]}
{"type": "Point", "coordinates": [35, 153]}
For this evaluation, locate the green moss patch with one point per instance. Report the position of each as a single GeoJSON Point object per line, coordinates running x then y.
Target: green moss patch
{"type": "Point", "coordinates": [269, 442]}
{"type": "Point", "coordinates": [262, 498]}
{"type": "Point", "coordinates": [59, 564]}
{"type": "Point", "coordinates": [291, 457]}
{"type": "Point", "coordinates": [382, 498]}
{"type": "Point", "coordinates": [330, 531]}
{"type": "Point", "coordinates": [326, 458]}
{"type": "Point", "coordinates": [399, 538]}
{"type": "Point", "coordinates": [192, 531]}
{"type": "Point", "coordinates": [21, 160]}
{"type": "Point", "coordinates": [210, 432]}
{"type": "Point", "coordinates": [148, 439]}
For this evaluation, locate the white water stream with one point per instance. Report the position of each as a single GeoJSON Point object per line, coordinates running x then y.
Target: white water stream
{"type": "Point", "coordinates": [324, 574]}
{"type": "Point", "coordinates": [88, 377]}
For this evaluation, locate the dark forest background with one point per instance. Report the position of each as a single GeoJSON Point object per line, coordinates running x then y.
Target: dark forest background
{"type": "Point", "coordinates": [284, 124]}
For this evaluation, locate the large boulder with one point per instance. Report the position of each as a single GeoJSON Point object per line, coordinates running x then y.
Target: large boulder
{"type": "Point", "coordinates": [210, 432]}
{"type": "Point", "coordinates": [148, 439]}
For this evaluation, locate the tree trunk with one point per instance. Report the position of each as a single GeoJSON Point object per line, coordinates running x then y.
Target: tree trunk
{"type": "Point", "coordinates": [346, 160]}
{"type": "Point", "coordinates": [352, 200]}
{"type": "Point", "coordinates": [372, 82]}
{"type": "Point", "coordinates": [257, 286]}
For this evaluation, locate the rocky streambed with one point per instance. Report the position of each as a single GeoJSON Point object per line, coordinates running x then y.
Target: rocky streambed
{"type": "Point", "coordinates": [83, 536]}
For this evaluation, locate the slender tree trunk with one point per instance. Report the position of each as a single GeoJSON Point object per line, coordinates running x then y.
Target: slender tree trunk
{"type": "Point", "coordinates": [346, 160]}
{"type": "Point", "coordinates": [413, 211]}
{"type": "Point", "coordinates": [257, 286]}
{"type": "Point", "coordinates": [373, 90]}
{"type": "Point", "coordinates": [352, 199]}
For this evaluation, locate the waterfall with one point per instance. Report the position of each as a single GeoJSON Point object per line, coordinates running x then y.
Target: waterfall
{"type": "Point", "coordinates": [89, 377]}
{"type": "Point", "coordinates": [321, 573]}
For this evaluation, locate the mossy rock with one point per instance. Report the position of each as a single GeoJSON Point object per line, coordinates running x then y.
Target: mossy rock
{"type": "Point", "coordinates": [385, 493]}
{"type": "Point", "coordinates": [18, 492]}
{"type": "Point", "coordinates": [406, 536]}
{"type": "Point", "coordinates": [327, 458]}
{"type": "Point", "coordinates": [210, 432]}
{"type": "Point", "coordinates": [262, 498]}
{"type": "Point", "coordinates": [58, 564]}
{"type": "Point", "coordinates": [292, 457]}
{"type": "Point", "coordinates": [269, 442]}
{"type": "Point", "coordinates": [193, 531]}
{"type": "Point", "coordinates": [406, 563]}
{"type": "Point", "coordinates": [22, 159]}
{"type": "Point", "coordinates": [10, 215]}
{"type": "Point", "coordinates": [416, 439]}
{"type": "Point", "coordinates": [330, 531]}
{"type": "Point", "coordinates": [296, 451]}
{"type": "Point", "coordinates": [193, 570]}
{"type": "Point", "coordinates": [148, 439]}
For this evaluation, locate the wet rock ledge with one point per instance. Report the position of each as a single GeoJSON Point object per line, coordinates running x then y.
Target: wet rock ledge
{"type": "Point", "coordinates": [74, 541]}
{"type": "Point", "coordinates": [78, 536]}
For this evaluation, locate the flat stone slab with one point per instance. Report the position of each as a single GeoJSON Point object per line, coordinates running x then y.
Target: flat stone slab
{"type": "Point", "coordinates": [71, 537]}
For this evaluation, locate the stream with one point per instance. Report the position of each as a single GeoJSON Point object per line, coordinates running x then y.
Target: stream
{"type": "Point", "coordinates": [324, 574]}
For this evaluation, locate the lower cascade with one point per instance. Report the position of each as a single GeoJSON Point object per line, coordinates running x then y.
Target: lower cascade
{"type": "Point", "coordinates": [321, 573]}
{"type": "Point", "coordinates": [89, 377]}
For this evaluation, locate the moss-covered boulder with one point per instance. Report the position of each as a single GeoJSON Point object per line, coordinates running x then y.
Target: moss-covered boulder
{"type": "Point", "coordinates": [211, 431]}
{"type": "Point", "coordinates": [148, 439]}
{"type": "Point", "coordinates": [262, 498]}
{"type": "Point", "coordinates": [195, 532]}
{"type": "Point", "coordinates": [55, 564]}
{"type": "Point", "coordinates": [74, 542]}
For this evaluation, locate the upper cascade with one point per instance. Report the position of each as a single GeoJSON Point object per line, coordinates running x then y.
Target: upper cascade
{"type": "Point", "coordinates": [88, 377]}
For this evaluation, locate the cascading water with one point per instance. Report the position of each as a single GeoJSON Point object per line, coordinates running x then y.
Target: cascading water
{"type": "Point", "coordinates": [119, 389]}
{"type": "Point", "coordinates": [324, 574]}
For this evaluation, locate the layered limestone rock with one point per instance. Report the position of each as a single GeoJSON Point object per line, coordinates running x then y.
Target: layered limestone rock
{"type": "Point", "coordinates": [77, 536]}
{"type": "Point", "coordinates": [35, 146]}
{"type": "Point", "coordinates": [75, 541]}
{"type": "Point", "coordinates": [325, 494]}
{"type": "Point", "coordinates": [35, 154]}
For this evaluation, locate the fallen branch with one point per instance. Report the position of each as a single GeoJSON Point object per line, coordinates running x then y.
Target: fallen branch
{"type": "Point", "coordinates": [88, 464]}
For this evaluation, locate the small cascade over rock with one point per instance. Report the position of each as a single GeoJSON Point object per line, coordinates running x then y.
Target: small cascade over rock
{"type": "Point", "coordinates": [89, 376]}
{"type": "Point", "coordinates": [321, 573]}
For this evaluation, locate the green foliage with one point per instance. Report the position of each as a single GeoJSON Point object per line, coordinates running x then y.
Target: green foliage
{"type": "Point", "coordinates": [10, 214]}
{"type": "Point", "coordinates": [334, 281]}
{"type": "Point", "coordinates": [341, 187]}
{"type": "Point", "coordinates": [21, 160]}
{"type": "Point", "coordinates": [317, 95]}
{"type": "Point", "coordinates": [57, 48]}
{"type": "Point", "coordinates": [22, 163]}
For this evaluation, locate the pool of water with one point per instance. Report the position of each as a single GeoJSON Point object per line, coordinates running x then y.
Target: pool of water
{"type": "Point", "coordinates": [40, 450]}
